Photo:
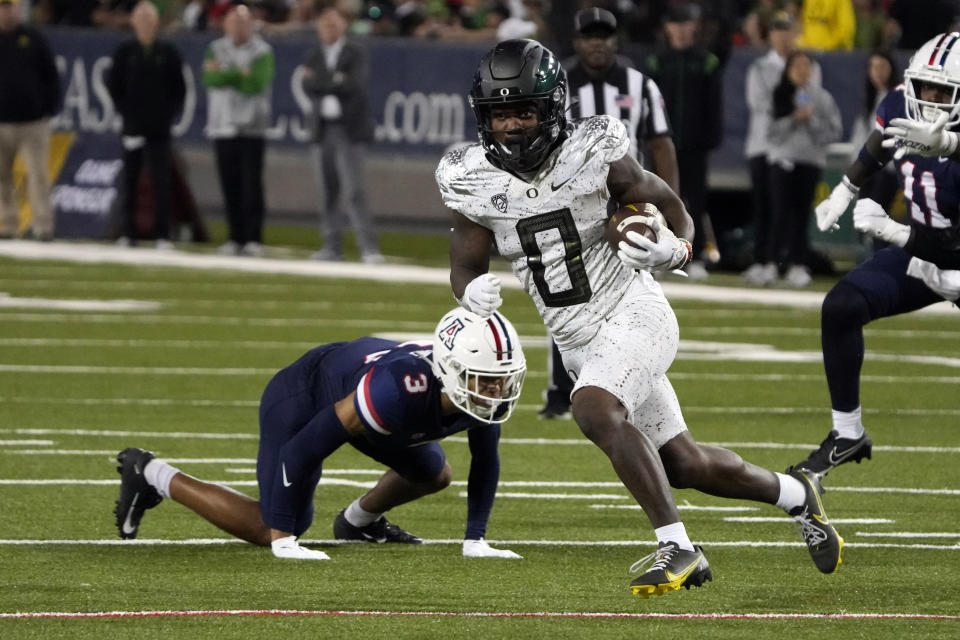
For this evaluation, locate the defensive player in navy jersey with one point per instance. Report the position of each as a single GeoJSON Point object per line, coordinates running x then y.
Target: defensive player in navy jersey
{"type": "Point", "coordinates": [390, 400]}
{"type": "Point", "coordinates": [919, 267]}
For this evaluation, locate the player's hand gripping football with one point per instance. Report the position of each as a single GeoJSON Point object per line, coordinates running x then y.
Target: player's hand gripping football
{"type": "Point", "coordinates": [927, 139]}
{"type": "Point", "coordinates": [870, 218]}
{"type": "Point", "coordinates": [830, 210]}
{"type": "Point", "coordinates": [482, 295]}
{"type": "Point", "coordinates": [668, 252]}
{"type": "Point", "coordinates": [480, 549]}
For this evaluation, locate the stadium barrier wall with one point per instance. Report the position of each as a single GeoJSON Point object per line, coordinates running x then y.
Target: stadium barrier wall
{"type": "Point", "coordinates": [417, 91]}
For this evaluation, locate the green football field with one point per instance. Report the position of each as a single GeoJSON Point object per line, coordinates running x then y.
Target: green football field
{"type": "Point", "coordinates": [99, 356]}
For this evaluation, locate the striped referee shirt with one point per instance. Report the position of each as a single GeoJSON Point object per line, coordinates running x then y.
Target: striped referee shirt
{"type": "Point", "coordinates": [623, 92]}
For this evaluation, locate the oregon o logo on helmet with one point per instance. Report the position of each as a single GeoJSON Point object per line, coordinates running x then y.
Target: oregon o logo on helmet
{"type": "Point", "coordinates": [504, 91]}
{"type": "Point", "coordinates": [415, 118]}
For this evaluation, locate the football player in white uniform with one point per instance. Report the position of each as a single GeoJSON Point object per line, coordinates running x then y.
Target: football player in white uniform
{"type": "Point", "coordinates": [538, 187]}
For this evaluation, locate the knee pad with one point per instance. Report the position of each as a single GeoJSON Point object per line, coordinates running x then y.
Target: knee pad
{"type": "Point", "coordinates": [845, 304]}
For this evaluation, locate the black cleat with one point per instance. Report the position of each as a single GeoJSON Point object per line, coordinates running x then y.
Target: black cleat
{"type": "Point", "coordinates": [672, 568]}
{"type": "Point", "coordinates": [136, 496]}
{"type": "Point", "coordinates": [555, 411]}
{"type": "Point", "coordinates": [834, 451]}
{"type": "Point", "coordinates": [823, 542]}
{"type": "Point", "coordinates": [379, 531]}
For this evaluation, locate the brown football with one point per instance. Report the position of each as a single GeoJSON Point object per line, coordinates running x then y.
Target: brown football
{"type": "Point", "coordinates": [632, 217]}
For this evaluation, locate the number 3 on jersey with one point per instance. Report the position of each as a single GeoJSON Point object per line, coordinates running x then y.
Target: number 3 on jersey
{"type": "Point", "coordinates": [415, 385]}
{"type": "Point", "coordinates": [561, 220]}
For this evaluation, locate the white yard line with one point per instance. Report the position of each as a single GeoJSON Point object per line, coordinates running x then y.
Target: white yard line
{"type": "Point", "coordinates": [752, 519]}
{"type": "Point", "coordinates": [758, 617]}
{"type": "Point", "coordinates": [182, 435]}
{"type": "Point", "coordinates": [777, 544]}
{"type": "Point", "coordinates": [462, 494]}
{"type": "Point", "coordinates": [100, 253]}
{"type": "Point", "coordinates": [12, 302]}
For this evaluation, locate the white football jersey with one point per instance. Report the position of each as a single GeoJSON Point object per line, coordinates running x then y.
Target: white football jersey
{"type": "Point", "coordinates": [551, 229]}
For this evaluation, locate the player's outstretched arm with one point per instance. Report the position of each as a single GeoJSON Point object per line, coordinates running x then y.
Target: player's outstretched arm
{"type": "Point", "coordinates": [871, 158]}
{"type": "Point", "coordinates": [481, 491]}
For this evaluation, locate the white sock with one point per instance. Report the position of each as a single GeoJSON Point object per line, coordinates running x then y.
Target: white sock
{"type": "Point", "coordinates": [158, 475]}
{"type": "Point", "coordinates": [792, 492]}
{"type": "Point", "coordinates": [357, 516]}
{"type": "Point", "coordinates": [847, 424]}
{"type": "Point", "coordinates": [675, 532]}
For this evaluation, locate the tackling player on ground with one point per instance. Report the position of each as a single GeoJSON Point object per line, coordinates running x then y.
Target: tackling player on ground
{"type": "Point", "coordinates": [537, 187]}
{"type": "Point", "coordinates": [919, 267]}
{"type": "Point", "coordinates": [389, 400]}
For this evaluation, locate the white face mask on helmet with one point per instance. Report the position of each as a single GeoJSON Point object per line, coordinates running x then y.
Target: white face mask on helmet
{"type": "Point", "coordinates": [471, 356]}
{"type": "Point", "coordinates": [936, 62]}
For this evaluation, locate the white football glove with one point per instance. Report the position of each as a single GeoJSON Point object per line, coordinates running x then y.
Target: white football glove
{"type": "Point", "coordinates": [668, 252]}
{"type": "Point", "coordinates": [480, 549]}
{"type": "Point", "coordinates": [830, 210]}
{"type": "Point", "coordinates": [289, 548]}
{"type": "Point", "coordinates": [482, 295]}
{"type": "Point", "coordinates": [927, 139]}
{"type": "Point", "coordinates": [870, 218]}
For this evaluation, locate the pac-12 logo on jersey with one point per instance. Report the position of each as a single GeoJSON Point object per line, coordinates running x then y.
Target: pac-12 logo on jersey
{"type": "Point", "coordinates": [500, 202]}
{"type": "Point", "coordinates": [449, 333]}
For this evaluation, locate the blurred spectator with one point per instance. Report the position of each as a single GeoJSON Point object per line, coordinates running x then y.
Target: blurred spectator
{"type": "Point", "coordinates": [883, 75]}
{"type": "Point", "coordinates": [116, 14]}
{"type": "Point", "coordinates": [335, 77]}
{"type": "Point", "coordinates": [913, 22]}
{"type": "Point", "coordinates": [216, 11]}
{"type": "Point", "coordinates": [871, 24]}
{"type": "Point", "coordinates": [805, 120]}
{"type": "Point", "coordinates": [298, 19]}
{"type": "Point", "coordinates": [192, 16]}
{"type": "Point", "coordinates": [756, 24]}
{"type": "Point", "coordinates": [827, 25]}
{"type": "Point", "coordinates": [29, 97]}
{"type": "Point", "coordinates": [74, 13]}
{"type": "Point", "coordinates": [600, 82]}
{"type": "Point", "coordinates": [378, 18]}
{"type": "Point", "coordinates": [763, 76]}
{"type": "Point", "coordinates": [238, 73]}
{"type": "Point", "coordinates": [526, 21]}
{"type": "Point", "coordinates": [691, 78]}
{"type": "Point", "coordinates": [147, 87]}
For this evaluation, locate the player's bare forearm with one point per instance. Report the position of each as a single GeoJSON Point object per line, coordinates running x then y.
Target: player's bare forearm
{"type": "Point", "coordinates": [629, 183]}
{"type": "Point", "coordinates": [470, 247]}
{"type": "Point", "coordinates": [664, 157]}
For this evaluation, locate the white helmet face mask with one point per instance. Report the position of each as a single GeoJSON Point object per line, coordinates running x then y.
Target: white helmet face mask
{"type": "Point", "coordinates": [479, 363]}
{"type": "Point", "coordinates": [936, 62]}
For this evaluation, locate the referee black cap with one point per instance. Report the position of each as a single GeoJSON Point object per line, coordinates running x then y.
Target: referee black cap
{"type": "Point", "coordinates": [595, 19]}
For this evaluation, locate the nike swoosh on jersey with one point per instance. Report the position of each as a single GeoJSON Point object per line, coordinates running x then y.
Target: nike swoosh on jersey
{"type": "Point", "coordinates": [283, 468]}
{"type": "Point", "coordinates": [127, 522]}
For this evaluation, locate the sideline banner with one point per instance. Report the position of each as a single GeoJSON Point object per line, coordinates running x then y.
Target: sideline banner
{"type": "Point", "coordinates": [417, 91]}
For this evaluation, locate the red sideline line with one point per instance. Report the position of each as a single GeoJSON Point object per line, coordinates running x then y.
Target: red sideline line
{"type": "Point", "coordinates": [480, 614]}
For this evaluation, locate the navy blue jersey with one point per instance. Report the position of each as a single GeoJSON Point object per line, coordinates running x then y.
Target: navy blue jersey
{"type": "Point", "coordinates": [397, 395]}
{"type": "Point", "coordinates": [397, 399]}
{"type": "Point", "coordinates": [931, 186]}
